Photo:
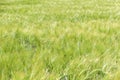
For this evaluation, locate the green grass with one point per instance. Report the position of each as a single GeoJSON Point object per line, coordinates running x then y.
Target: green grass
{"type": "Point", "coordinates": [59, 40]}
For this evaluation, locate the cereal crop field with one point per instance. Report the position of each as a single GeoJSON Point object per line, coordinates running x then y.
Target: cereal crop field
{"type": "Point", "coordinates": [59, 39]}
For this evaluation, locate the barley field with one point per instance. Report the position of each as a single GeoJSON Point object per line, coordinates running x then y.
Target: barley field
{"type": "Point", "coordinates": [59, 39]}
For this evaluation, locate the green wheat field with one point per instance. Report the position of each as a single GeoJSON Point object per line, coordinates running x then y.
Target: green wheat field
{"type": "Point", "coordinates": [59, 39]}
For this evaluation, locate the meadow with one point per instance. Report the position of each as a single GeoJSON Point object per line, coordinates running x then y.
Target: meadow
{"type": "Point", "coordinates": [59, 39]}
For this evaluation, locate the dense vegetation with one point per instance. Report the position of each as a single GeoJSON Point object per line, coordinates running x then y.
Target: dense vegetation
{"type": "Point", "coordinates": [59, 40]}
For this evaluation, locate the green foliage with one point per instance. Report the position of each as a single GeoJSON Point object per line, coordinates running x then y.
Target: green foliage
{"type": "Point", "coordinates": [59, 40]}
